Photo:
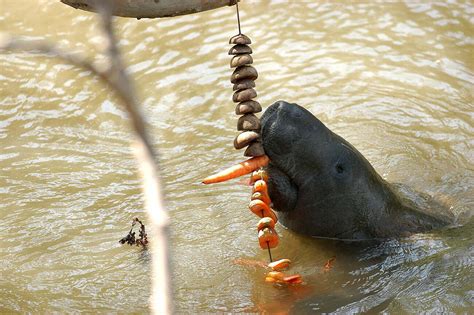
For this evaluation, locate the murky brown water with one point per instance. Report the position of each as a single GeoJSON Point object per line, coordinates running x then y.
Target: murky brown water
{"type": "Point", "coordinates": [396, 80]}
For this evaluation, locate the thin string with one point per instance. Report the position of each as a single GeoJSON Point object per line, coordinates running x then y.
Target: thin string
{"type": "Point", "coordinates": [238, 16]}
{"type": "Point", "coordinates": [269, 251]}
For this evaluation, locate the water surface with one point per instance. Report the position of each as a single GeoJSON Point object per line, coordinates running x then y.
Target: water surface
{"type": "Point", "coordinates": [395, 79]}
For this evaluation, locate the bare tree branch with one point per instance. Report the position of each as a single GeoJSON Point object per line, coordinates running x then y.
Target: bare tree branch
{"type": "Point", "coordinates": [114, 75]}
{"type": "Point", "coordinates": [152, 8]}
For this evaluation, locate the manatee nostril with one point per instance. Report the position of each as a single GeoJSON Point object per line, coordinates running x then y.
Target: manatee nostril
{"type": "Point", "coordinates": [339, 168]}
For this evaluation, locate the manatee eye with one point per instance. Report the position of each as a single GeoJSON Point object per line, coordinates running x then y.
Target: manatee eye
{"type": "Point", "coordinates": [339, 168]}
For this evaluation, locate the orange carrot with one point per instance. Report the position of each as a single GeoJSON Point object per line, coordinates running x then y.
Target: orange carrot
{"type": "Point", "coordinates": [294, 279]}
{"type": "Point", "coordinates": [270, 279]}
{"type": "Point", "coordinates": [240, 169]}
{"type": "Point", "coordinates": [260, 174]}
{"type": "Point", "coordinates": [280, 264]}
{"type": "Point", "coordinates": [268, 238]}
{"type": "Point", "coordinates": [276, 275]}
{"type": "Point", "coordinates": [280, 277]}
{"type": "Point", "coordinates": [260, 186]}
{"type": "Point", "coordinates": [261, 196]}
{"type": "Point", "coordinates": [265, 222]}
{"type": "Point", "coordinates": [259, 207]}
{"type": "Point", "coordinates": [272, 215]}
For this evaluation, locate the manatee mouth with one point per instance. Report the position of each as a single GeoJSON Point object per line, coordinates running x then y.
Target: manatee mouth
{"type": "Point", "coordinates": [280, 136]}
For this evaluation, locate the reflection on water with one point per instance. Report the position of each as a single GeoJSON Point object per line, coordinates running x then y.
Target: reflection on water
{"type": "Point", "coordinates": [396, 80]}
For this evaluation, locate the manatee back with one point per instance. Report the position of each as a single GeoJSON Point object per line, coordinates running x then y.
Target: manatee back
{"type": "Point", "coordinates": [431, 212]}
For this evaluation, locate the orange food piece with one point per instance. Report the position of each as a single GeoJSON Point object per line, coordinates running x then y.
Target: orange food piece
{"type": "Point", "coordinates": [261, 196]}
{"type": "Point", "coordinates": [294, 279]}
{"type": "Point", "coordinates": [280, 277]}
{"type": "Point", "coordinates": [257, 206]}
{"type": "Point", "coordinates": [240, 169]}
{"type": "Point", "coordinates": [280, 264]}
{"type": "Point", "coordinates": [272, 215]}
{"type": "Point", "coordinates": [268, 238]}
{"type": "Point", "coordinates": [270, 279]}
{"type": "Point", "coordinates": [276, 275]}
{"type": "Point", "coordinates": [265, 222]}
{"type": "Point", "coordinates": [262, 210]}
{"type": "Point", "coordinates": [256, 175]}
{"type": "Point", "coordinates": [260, 186]}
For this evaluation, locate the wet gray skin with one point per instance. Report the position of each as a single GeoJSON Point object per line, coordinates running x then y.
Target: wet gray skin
{"type": "Point", "coordinates": [321, 185]}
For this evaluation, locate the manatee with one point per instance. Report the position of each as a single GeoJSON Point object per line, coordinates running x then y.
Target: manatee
{"type": "Point", "coordinates": [321, 185]}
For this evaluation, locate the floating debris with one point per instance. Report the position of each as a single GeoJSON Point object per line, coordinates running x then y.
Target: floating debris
{"type": "Point", "coordinates": [130, 239]}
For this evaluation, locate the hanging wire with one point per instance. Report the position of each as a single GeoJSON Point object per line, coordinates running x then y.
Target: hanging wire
{"type": "Point", "coordinates": [269, 251]}
{"type": "Point", "coordinates": [238, 16]}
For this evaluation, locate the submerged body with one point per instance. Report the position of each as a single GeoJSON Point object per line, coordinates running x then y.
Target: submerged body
{"type": "Point", "coordinates": [322, 186]}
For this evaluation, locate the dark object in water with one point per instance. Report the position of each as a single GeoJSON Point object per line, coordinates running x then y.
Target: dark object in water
{"type": "Point", "coordinates": [244, 95]}
{"type": "Point", "coordinates": [248, 122]}
{"type": "Point", "coordinates": [130, 239]}
{"type": "Point", "coordinates": [245, 138]}
{"type": "Point", "coordinates": [255, 149]}
{"type": "Point", "coordinates": [240, 39]}
{"type": "Point", "coordinates": [240, 50]}
{"type": "Point", "coordinates": [244, 84]}
{"type": "Point", "coordinates": [244, 72]}
{"type": "Point", "coordinates": [241, 60]}
{"type": "Point", "coordinates": [248, 107]}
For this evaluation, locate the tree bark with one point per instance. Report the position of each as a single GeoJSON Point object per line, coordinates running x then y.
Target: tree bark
{"type": "Point", "coordinates": [153, 8]}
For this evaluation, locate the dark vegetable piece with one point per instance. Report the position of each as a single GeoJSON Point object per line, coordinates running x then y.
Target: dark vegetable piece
{"type": "Point", "coordinates": [240, 39]}
{"type": "Point", "coordinates": [240, 50]}
{"type": "Point", "coordinates": [248, 122]}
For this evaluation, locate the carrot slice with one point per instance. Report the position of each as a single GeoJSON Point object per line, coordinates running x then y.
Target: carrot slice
{"type": "Point", "coordinates": [261, 196]}
{"type": "Point", "coordinates": [276, 275]}
{"type": "Point", "coordinates": [262, 210]}
{"type": "Point", "coordinates": [260, 186]}
{"type": "Point", "coordinates": [259, 207]}
{"type": "Point", "coordinates": [272, 215]}
{"type": "Point", "coordinates": [294, 279]}
{"type": "Point", "coordinates": [268, 238]}
{"type": "Point", "coordinates": [260, 174]}
{"type": "Point", "coordinates": [280, 264]}
{"type": "Point", "coordinates": [280, 277]}
{"type": "Point", "coordinates": [270, 279]}
{"type": "Point", "coordinates": [240, 169]}
{"type": "Point", "coordinates": [265, 222]}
